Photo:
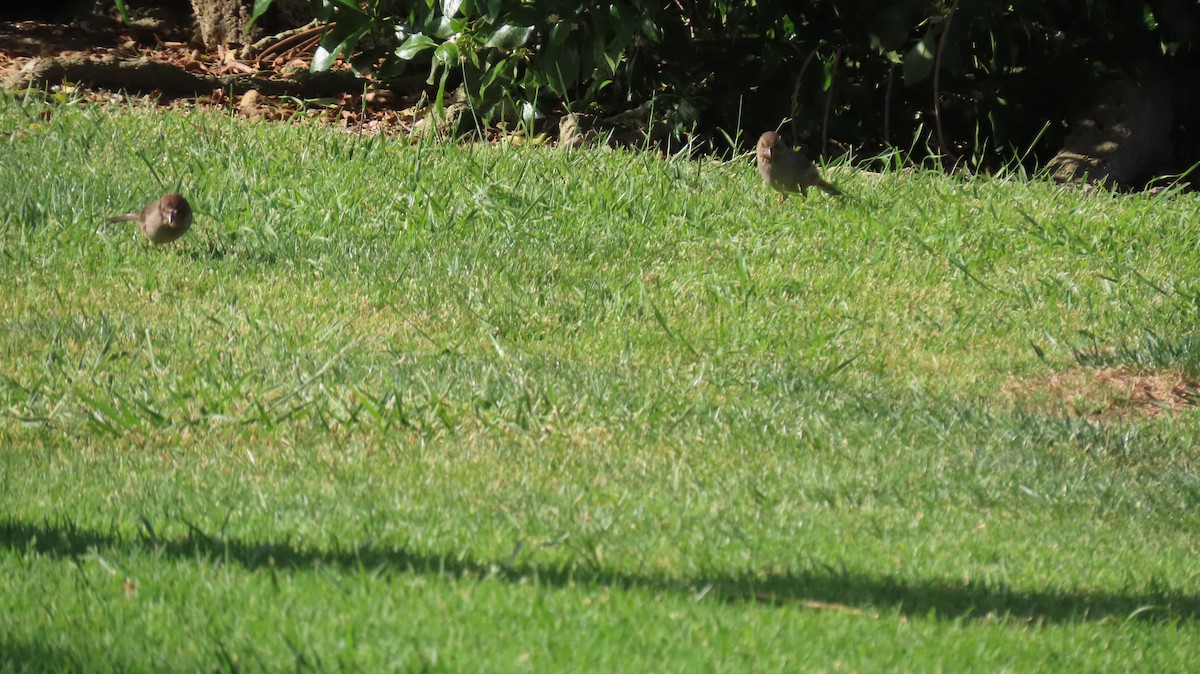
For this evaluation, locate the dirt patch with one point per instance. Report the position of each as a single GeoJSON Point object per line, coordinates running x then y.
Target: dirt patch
{"type": "Point", "coordinates": [91, 65]}
{"type": "Point", "coordinates": [1106, 394]}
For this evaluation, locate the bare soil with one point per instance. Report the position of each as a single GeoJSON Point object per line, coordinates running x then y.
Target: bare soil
{"type": "Point", "coordinates": [1105, 394]}
{"type": "Point", "coordinates": [108, 61]}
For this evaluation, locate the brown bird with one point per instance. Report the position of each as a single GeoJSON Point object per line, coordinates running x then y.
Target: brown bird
{"type": "Point", "coordinates": [786, 170]}
{"type": "Point", "coordinates": [162, 221]}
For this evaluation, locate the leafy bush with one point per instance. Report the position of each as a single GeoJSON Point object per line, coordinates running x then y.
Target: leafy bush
{"type": "Point", "coordinates": [501, 50]}
{"type": "Point", "coordinates": [969, 78]}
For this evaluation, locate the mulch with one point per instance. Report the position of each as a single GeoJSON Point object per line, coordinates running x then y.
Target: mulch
{"type": "Point", "coordinates": [109, 61]}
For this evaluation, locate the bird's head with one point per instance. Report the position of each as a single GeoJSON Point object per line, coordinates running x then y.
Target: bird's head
{"type": "Point", "coordinates": [176, 209]}
{"type": "Point", "coordinates": [767, 145]}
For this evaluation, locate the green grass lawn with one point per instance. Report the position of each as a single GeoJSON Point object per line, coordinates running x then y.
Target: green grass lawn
{"type": "Point", "coordinates": [393, 407]}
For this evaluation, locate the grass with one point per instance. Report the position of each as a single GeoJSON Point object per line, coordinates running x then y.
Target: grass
{"type": "Point", "coordinates": [395, 407]}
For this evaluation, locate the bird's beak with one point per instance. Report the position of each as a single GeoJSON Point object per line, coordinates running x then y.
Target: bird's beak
{"type": "Point", "coordinates": [770, 152]}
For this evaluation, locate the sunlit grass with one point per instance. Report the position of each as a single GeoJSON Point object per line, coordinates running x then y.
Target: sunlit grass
{"type": "Point", "coordinates": [464, 408]}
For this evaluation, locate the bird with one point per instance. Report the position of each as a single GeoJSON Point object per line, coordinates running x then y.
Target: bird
{"type": "Point", "coordinates": [785, 170]}
{"type": "Point", "coordinates": [163, 220]}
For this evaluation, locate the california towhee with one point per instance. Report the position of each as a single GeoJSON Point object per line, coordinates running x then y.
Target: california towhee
{"type": "Point", "coordinates": [162, 221]}
{"type": "Point", "coordinates": [785, 170]}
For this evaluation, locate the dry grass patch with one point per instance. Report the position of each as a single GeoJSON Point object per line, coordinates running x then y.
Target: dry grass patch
{"type": "Point", "coordinates": [1105, 394]}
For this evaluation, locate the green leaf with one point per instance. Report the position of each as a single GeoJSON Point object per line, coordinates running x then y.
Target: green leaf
{"type": "Point", "coordinates": [509, 37]}
{"type": "Point", "coordinates": [492, 10]}
{"type": "Point", "coordinates": [123, 11]}
{"type": "Point", "coordinates": [260, 6]}
{"type": "Point", "coordinates": [612, 61]}
{"type": "Point", "coordinates": [562, 68]}
{"type": "Point", "coordinates": [322, 59]}
{"type": "Point", "coordinates": [321, 11]}
{"type": "Point", "coordinates": [331, 10]}
{"type": "Point", "coordinates": [789, 26]}
{"type": "Point", "coordinates": [889, 28]}
{"type": "Point", "coordinates": [829, 67]}
{"type": "Point", "coordinates": [415, 44]}
{"type": "Point", "coordinates": [442, 27]}
{"type": "Point", "coordinates": [651, 30]}
{"type": "Point", "coordinates": [440, 100]}
{"type": "Point", "coordinates": [450, 7]}
{"type": "Point", "coordinates": [341, 40]}
{"type": "Point", "coordinates": [501, 72]}
{"type": "Point", "coordinates": [559, 33]}
{"type": "Point", "coordinates": [447, 54]}
{"type": "Point", "coordinates": [535, 78]}
{"type": "Point", "coordinates": [918, 62]}
{"type": "Point", "coordinates": [624, 22]}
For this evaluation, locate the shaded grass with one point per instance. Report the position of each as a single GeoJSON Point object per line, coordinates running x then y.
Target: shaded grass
{"type": "Point", "coordinates": [394, 407]}
{"type": "Point", "coordinates": [823, 587]}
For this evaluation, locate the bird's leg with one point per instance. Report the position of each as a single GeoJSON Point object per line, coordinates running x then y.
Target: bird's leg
{"type": "Point", "coordinates": [782, 198]}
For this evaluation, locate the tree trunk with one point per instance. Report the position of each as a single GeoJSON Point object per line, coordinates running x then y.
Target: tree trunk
{"type": "Point", "coordinates": [1125, 137]}
{"type": "Point", "coordinates": [223, 22]}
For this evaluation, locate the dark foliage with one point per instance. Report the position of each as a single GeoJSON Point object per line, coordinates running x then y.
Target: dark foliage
{"type": "Point", "coordinates": [977, 81]}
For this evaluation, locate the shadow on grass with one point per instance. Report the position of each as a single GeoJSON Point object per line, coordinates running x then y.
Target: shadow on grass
{"type": "Point", "coordinates": [832, 589]}
{"type": "Point", "coordinates": [215, 250]}
{"type": "Point", "coordinates": [29, 656]}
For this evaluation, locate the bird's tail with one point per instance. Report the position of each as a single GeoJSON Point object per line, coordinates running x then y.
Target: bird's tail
{"type": "Point", "coordinates": [827, 187]}
{"type": "Point", "coordinates": [124, 218]}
